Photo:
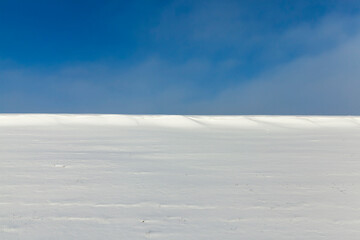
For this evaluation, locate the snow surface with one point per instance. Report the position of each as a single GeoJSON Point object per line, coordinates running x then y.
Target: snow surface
{"type": "Point", "coordinates": [179, 177]}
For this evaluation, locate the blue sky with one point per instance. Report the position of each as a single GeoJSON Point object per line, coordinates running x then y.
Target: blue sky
{"type": "Point", "coordinates": [180, 57]}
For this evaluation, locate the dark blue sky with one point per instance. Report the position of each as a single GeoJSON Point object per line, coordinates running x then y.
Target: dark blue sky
{"type": "Point", "coordinates": [180, 57]}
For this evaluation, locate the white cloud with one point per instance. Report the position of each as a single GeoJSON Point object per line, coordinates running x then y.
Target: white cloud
{"type": "Point", "coordinates": [319, 77]}
{"type": "Point", "coordinates": [328, 83]}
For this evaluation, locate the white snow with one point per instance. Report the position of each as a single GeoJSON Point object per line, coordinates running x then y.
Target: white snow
{"type": "Point", "coordinates": [179, 177]}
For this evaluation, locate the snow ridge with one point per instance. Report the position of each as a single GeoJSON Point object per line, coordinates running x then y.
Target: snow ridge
{"type": "Point", "coordinates": [179, 121]}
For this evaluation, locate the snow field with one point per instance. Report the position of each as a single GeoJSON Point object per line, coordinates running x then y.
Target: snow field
{"type": "Point", "coordinates": [179, 177]}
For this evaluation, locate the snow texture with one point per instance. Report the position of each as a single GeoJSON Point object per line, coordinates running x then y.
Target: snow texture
{"type": "Point", "coordinates": [179, 177]}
